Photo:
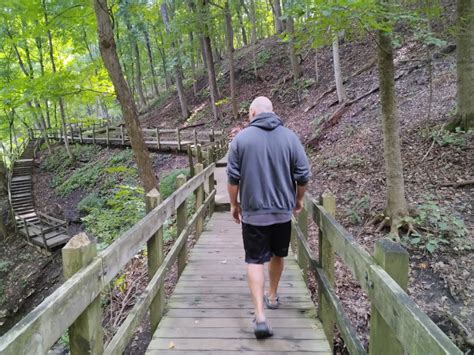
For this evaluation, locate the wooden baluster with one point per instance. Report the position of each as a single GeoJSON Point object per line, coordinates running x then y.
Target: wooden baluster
{"type": "Point", "coordinates": [155, 259]}
{"type": "Point", "coordinates": [199, 202]}
{"type": "Point", "coordinates": [122, 135]}
{"type": "Point", "coordinates": [210, 155]}
{"type": "Point", "coordinates": [394, 259]}
{"type": "Point", "coordinates": [326, 260]}
{"type": "Point", "coordinates": [212, 185]}
{"type": "Point", "coordinates": [302, 261]}
{"type": "Point", "coordinates": [107, 135]}
{"type": "Point", "coordinates": [181, 221]}
{"type": "Point", "coordinates": [191, 161]}
{"type": "Point", "coordinates": [81, 139]}
{"type": "Point", "coordinates": [178, 135]}
{"type": "Point", "coordinates": [199, 154]}
{"type": "Point", "coordinates": [72, 134]}
{"type": "Point", "coordinates": [93, 133]}
{"type": "Point", "coordinates": [158, 145]}
{"type": "Point", "coordinates": [195, 138]}
{"type": "Point", "coordinates": [85, 334]}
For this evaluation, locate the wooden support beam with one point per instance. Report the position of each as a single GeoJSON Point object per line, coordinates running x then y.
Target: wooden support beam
{"type": "Point", "coordinates": [394, 260]}
{"type": "Point", "coordinates": [326, 260]}
{"type": "Point", "coordinates": [199, 201]}
{"type": "Point", "coordinates": [181, 221]}
{"type": "Point", "coordinates": [155, 259]}
{"type": "Point", "coordinates": [85, 334]}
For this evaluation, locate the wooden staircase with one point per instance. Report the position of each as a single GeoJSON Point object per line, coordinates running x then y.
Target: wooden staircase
{"type": "Point", "coordinates": [40, 229]}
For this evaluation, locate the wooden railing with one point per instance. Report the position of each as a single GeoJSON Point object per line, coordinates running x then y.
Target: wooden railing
{"type": "Point", "coordinates": [396, 323]}
{"type": "Point", "coordinates": [76, 303]}
{"type": "Point", "coordinates": [155, 138]}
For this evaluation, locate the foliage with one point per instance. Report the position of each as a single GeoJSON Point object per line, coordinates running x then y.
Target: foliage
{"type": "Point", "coordinates": [440, 227]}
{"type": "Point", "coordinates": [58, 161]}
{"type": "Point", "coordinates": [168, 182]}
{"type": "Point", "coordinates": [4, 265]}
{"type": "Point", "coordinates": [444, 137]}
{"type": "Point", "coordinates": [359, 206]}
{"type": "Point", "coordinates": [121, 211]}
{"type": "Point", "coordinates": [90, 202]}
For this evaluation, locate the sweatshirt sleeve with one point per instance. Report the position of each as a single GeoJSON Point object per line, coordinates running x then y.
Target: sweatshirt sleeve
{"type": "Point", "coordinates": [302, 171]}
{"type": "Point", "coordinates": [233, 164]}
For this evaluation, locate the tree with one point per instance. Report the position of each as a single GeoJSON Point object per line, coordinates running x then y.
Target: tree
{"type": "Point", "coordinates": [341, 91]}
{"type": "Point", "coordinates": [230, 51]}
{"type": "Point", "coordinates": [396, 207]}
{"type": "Point", "coordinates": [290, 29]}
{"type": "Point", "coordinates": [276, 6]}
{"type": "Point", "coordinates": [108, 51]}
{"type": "Point", "coordinates": [465, 64]}
{"type": "Point", "coordinates": [5, 208]}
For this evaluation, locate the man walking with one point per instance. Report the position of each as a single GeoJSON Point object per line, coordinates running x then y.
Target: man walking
{"type": "Point", "coordinates": [267, 166]}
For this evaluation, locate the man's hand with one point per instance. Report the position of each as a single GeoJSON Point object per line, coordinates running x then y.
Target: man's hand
{"type": "Point", "coordinates": [299, 206]}
{"type": "Point", "coordinates": [235, 211]}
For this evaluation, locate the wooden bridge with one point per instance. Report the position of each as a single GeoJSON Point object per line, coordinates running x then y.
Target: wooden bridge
{"type": "Point", "coordinates": [38, 228]}
{"type": "Point", "coordinates": [210, 310]}
{"type": "Point", "coordinates": [160, 139]}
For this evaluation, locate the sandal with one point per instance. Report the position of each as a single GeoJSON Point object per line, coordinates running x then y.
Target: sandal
{"type": "Point", "coordinates": [272, 303]}
{"type": "Point", "coordinates": [262, 330]}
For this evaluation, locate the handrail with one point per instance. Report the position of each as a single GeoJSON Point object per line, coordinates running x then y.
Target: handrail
{"type": "Point", "coordinates": [409, 325]}
{"type": "Point", "coordinates": [42, 327]}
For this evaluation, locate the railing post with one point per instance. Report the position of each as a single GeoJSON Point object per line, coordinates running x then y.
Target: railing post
{"type": "Point", "coordinates": [191, 161]}
{"type": "Point", "coordinates": [181, 221]}
{"type": "Point", "coordinates": [199, 202]}
{"type": "Point", "coordinates": [394, 259]}
{"type": "Point", "coordinates": [85, 334]}
{"type": "Point", "coordinates": [158, 145]}
{"type": "Point", "coordinates": [122, 135]}
{"type": "Point", "coordinates": [210, 155]}
{"type": "Point", "coordinates": [93, 133]}
{"type": "Point", "coordinates": [178, 135]}
{"type": "Point", "coordinates": [81, 140]}
{"type": "Point", "coordinates": [72, 134]}
{"type": "Point", "coordinates": [212, 185]}
{"type": "Point", "coordinates": [195, 138]}
{"type": "Point", "coordinates": [155, 259]}
{"type": "Point", "coordinates": [302, 261]}
{"type": "Point", "coordinates": [199, 154]}
{"type": "Point", "coordinates": [326, 260]}
{"type": "Point", "coordinates": [107, 135]}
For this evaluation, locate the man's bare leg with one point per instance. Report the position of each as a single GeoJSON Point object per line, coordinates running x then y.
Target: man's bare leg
{"type": "Point", "coordinates": [256, 280]}
{"type": "Point", "coordinates": [275, 269]}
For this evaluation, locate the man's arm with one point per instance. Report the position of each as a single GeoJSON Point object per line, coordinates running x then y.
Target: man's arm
{"type": "Point", "coordinates": [300, 190]}
{"type": "Point", "coordinates": [301, 173]}
{"type": "Point", "coordinates": [234, 205]}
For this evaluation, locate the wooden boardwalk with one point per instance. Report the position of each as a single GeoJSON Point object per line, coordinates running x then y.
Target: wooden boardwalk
{"type": "Point", "coordinates": [211, 312]}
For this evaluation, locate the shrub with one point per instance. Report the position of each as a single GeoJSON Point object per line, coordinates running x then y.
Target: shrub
{"type": "Point", "coordinates": [90, 202]}
{"type": "Point", "coordinates": [168, 182]}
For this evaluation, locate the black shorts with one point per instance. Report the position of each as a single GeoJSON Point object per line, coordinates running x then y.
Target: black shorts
{"type": "Point", "coordinates": [262, 242]}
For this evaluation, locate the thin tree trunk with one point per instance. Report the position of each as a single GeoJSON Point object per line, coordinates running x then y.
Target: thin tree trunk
{"type": "Point", "coordinates": [295, 64]}
{"type": "Point", "coordinates": [177, 67]}
{"type": "Point", "coordinates": [53, 66]}
{"type": "Point", "coordinates": [465, 64]}
{"type": "Point", "coordinates": [278, 14]}
{"type": "Point", "coordinates": [230, 50]}
{"type": "Point", "coordinates": [341, 92]}
{"type": "Point", "coordinates": [138, 72]}
{"type": "Point", "coordinates": [253, 21]}
{"type": "Point", "coordinates": [108, 51]}
{"type": "Point", "coordinates": [193, 63]}
{"type": "Point", "coordinates": [150, 61]}
{"type": "Point", "coordinates": [242, 26]}
{"type": "Point", "coordinates": [396, 203]}
{"type": "Point", "coordinates": [211, 73]}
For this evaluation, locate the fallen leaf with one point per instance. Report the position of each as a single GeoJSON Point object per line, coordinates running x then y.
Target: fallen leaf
{"type": "Point", "coordinates": [171, 346]}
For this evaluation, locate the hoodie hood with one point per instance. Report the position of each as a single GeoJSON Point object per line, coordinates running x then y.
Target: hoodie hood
{"type": "Point", "coordinates": [267, 121]}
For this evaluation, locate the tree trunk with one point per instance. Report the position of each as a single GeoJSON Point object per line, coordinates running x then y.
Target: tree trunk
{"type": "Point", "coordinates": [130, 113]}
{"type": "Point", "coordinates": [53, 66]}
{"type": "Point", "coordinates": [465, 64]}
{"type": "Point", "coordinates": [242, 26]}
{"type": "Point", "coordinates": [396, 203]}
{"type": "Point", "coordinates": [193, 62]}
{"type": "Point", "coordinates": [253, 21]}
{"type": "Point", "coordinates": [211, 72]}
{"type": "Point", "coordinates": [230, 50]}
{"type": "Point", "coordinates": [341, 92]}
{"type": "Point", "coordinates": [150, 61]}
{"type": "Point", "coordinates": [177, 67]}
{"type": "Point", "coordinates": [295, 63]}
{"type": "Point", "coordinates": [277, 13]}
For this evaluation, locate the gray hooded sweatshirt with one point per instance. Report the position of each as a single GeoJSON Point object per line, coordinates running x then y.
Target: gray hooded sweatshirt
{"type": "Point", "coordinates": [267, 160]}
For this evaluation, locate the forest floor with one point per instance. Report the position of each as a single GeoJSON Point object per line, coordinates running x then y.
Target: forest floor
{"type": "Point", "coordinates": [347, 159]}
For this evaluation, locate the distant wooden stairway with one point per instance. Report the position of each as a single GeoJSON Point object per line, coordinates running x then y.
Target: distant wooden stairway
{"type": "Point", "coordinates": [40, 229]}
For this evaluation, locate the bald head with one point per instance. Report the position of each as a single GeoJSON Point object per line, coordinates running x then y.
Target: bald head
{"type": "Point", "coordinates": [259, 105]}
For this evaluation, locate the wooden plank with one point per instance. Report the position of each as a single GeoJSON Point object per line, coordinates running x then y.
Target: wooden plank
{"type": "Point", "coordinates": [240, 333]}
{"type": "Point", "coordinates": [238, 313]}
{"type": "Point", "coordinates": [239, 344]}
{"type": "Point", "coordinates": [232, 290]}
{"type": "Point", "coordinates": [199, 352]}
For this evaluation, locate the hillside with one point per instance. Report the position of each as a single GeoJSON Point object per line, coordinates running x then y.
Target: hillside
{"type": "Point", "coordinates": [347, 158]}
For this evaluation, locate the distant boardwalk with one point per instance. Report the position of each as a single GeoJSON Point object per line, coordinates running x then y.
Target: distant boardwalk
{"type": "Point", "coordinates": [211, 309]}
